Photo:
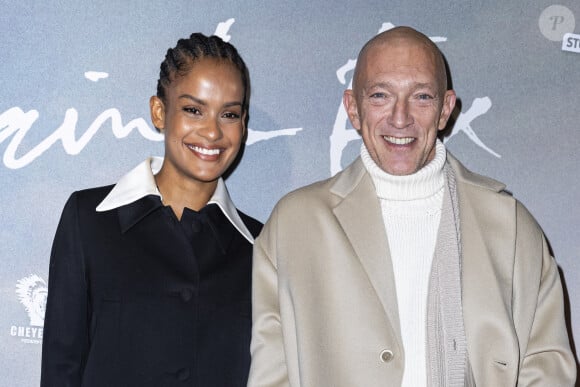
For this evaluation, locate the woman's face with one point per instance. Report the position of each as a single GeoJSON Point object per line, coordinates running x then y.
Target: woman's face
{"type": "Point", "coordinates": [202, 120]}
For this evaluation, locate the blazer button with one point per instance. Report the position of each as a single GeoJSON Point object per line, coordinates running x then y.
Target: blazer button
{"type": "Point", "coordinates": [186, 294]}
{"type": "Point", "coordinates": [387, 356]}
{"type": "Point", "coordinates": [183, 374]}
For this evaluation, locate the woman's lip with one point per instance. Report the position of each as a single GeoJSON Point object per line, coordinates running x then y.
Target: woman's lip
{"type": "Point", "coordinates": [205, 151]}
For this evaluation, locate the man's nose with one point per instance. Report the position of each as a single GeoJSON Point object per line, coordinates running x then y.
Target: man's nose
{"type": "Point", "coordinates": [400, 117]}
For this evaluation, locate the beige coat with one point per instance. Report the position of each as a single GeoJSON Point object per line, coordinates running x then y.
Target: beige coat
{"type": "Point", "coordinates": [324, 303]}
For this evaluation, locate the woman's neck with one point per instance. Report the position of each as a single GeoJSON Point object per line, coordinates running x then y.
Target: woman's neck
{"type": "Point", "coordinates": [178, 192]}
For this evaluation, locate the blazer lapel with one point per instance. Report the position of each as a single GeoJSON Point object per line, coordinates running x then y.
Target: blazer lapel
{"type": "Point", "coordinates": [359, 214]}
{"type": "Point", "coordinates": [130, 214]}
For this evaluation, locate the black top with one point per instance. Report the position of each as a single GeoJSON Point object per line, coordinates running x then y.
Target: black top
{"type": "Point", "coordinates": [138, 298]}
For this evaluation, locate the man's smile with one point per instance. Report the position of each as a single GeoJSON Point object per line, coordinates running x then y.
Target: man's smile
{"type": "Point", "coordinates": [399, 140]}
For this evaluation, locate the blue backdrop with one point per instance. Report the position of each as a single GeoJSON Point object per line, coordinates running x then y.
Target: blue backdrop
{"type": "Point", "coordinates": [76, 76]}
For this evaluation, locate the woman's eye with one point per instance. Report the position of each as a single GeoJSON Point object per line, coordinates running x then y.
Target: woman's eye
{"type": "Point", "coordinates": [231, 115]}
{"type": "Point", "coordinates": [191, 110]}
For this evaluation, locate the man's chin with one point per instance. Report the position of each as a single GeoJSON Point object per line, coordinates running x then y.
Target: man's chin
{"type": "Point", "coordinates": [399, 168]}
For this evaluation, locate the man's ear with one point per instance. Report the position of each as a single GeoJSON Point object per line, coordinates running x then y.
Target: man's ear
{"type": "Point", "coordinates": [447, 108]}
{"type": "Point", "coordinates": [157, 111]}
{"type": "Point", "coordinates": [349, 101]}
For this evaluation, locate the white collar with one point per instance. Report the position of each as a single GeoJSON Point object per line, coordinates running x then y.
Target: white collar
{"type": "Point", "coordinates": [140, 182]}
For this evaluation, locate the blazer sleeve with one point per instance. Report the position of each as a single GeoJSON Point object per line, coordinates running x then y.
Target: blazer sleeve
{"type": "Point", "coordinates": [65, 337]}
{"type": "Point", "coordinates": [268, 367]}
{"type": "Point", "coordinates": [547, 358]}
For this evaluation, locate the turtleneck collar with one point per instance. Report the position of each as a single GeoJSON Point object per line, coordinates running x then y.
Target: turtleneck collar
{"type": "Point", "coordinates": [422, 184]}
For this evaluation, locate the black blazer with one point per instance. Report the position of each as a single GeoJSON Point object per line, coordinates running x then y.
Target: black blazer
{"type": "Point", "coordinates": [138, 298]}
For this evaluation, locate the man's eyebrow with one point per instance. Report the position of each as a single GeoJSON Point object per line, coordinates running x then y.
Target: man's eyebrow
{"type": "Point", "coordinates": [424, 85]}
{"type": "Point", "coordinates": [388, 85]}
{"type": "Point", "coordinates": [379, 85]}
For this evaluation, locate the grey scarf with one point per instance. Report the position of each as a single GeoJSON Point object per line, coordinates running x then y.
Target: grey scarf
{"type": "Point", "coordinates": [447, 360]}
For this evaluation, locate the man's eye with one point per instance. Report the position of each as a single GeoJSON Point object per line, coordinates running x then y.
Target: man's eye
{"type": "Point", "coordinates": [424, 96]}
{"type": "Point", "coordinates": [378, 95]}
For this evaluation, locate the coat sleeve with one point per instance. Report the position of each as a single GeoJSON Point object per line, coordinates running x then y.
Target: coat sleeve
{"type": "Point", "coordinates": [65, 337]}
{"type": "Point", "coordinates": [547, 359]}
{"type": "Point", "coordinates": [268, 367]}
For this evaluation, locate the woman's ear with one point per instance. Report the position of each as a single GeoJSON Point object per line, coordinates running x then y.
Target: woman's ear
{"type": "Point", "coordinates": [157, 110]}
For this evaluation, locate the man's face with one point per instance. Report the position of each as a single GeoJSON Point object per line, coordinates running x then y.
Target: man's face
{"type": "Point", "coordinates": [398, 104]}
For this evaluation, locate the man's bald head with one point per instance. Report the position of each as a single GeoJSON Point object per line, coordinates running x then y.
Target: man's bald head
{"type": "Point", "coordinates": [402, 36]}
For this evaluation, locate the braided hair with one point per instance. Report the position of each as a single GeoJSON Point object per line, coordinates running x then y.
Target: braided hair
{"type": "Point", "coordinates": [180, 59]}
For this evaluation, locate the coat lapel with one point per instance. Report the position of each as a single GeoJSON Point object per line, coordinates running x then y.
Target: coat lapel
{"type": "Point", "coordinates": [359, 214]}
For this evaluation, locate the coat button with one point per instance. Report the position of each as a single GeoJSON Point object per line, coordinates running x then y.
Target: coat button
{"type": "Point", "coordinates": [183, 374]}
{"type": "Point", "coordinates": [186, 294]}
{"type": "Point", "coordinates": [387, 356]}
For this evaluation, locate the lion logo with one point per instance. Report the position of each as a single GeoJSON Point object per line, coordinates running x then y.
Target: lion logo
{"type": "Point", "coordinates": [32, 292]}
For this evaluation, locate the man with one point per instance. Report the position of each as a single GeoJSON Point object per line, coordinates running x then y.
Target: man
{"type": "Point", "coordinates": [405, 269]}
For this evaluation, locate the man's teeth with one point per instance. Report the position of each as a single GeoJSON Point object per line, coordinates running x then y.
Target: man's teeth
{"type": "Point", "coordinates": [205, 151]}
{"type": "Point", "coordinates": [398, 140]}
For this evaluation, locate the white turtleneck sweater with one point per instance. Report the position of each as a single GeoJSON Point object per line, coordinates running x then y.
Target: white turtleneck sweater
{"type": "Point", "coordinates": [411, 209]}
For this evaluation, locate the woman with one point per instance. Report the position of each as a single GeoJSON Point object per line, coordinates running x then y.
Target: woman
{"type": "Point", "coordinates": [150, 280]}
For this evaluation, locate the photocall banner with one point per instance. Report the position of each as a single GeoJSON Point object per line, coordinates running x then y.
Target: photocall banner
{"type": "Point", "coordinates": [76, 77]}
